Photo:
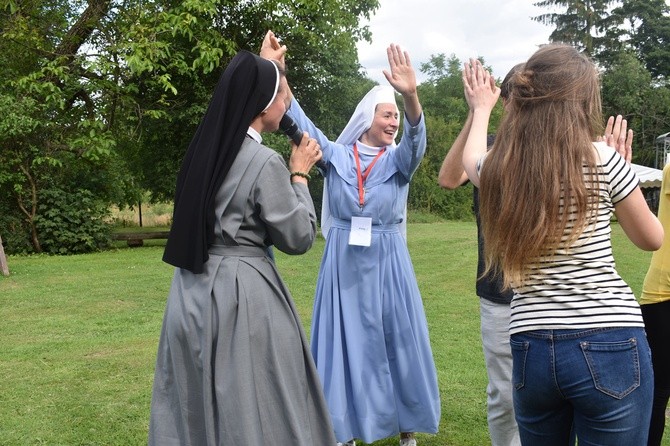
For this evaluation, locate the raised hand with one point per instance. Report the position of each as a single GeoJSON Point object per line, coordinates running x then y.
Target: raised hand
{"type": "Point", "coordinates": [618, 136]}
{"type": "Point", "coordinates": [480, 89]}
{"type": "Point", "coordinates": [272, 49]}
{"type": "Point", "coordinates": [401, 75]}
{"type": "Point", "coordinates": [482, 94]}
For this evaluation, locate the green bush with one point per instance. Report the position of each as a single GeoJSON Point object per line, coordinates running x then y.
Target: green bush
{"type": "Point", "coordinates": [71, 222]}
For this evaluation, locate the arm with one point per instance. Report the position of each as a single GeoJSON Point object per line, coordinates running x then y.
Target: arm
{"type": "Point", "coordinates": [482, 94]}
{"type": "Point", "coordinates": [298, 115]}
{"type": "Point", "coordinates": [411, 149]}
{"type": "Point", "coordinates": [638, 222]}
{"type": "Point", "coordinates": [636, 219]}
{"type": "Point", "coordinates": [452, 173]}
{"type": "Point", "coordinates": [272, 49]}
{"type": "Point", "coordinates": [403, 79]}
{"type": "Point", "coordinates": [286, 208]}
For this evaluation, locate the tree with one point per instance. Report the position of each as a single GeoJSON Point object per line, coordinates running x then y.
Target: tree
{"type": "Point", "coordinates": [4, 268]}
{"type": "Point", "coordinates": [54, 130]}
{"type": "Point", "coordinates": [322, 61]}
{"type": "Point", "coordinates": [646, 30]}
{"type": "Point", "coordinates": [103, 96]}
{"type": "Point", "coordinates": [627, 89]}
{"type": "Point", "coordinates": [629, 41]}
{"type": "Point", "coordinates": [605, 28]}
{"type": "Point", "coordinates": [442, 92]}
{"type": "Point", "coordinates": [445, 110]}
{"type": "Point", "coordinates": [582, 23]}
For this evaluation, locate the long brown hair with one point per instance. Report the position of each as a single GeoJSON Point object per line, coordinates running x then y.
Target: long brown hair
{"type": "Point", "coordinates": [537, 183]}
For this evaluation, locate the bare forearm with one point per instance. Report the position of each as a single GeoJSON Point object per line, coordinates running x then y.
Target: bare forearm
{"type": "Point", "coordinates": [452, 173]}
{"type": "Point", "coordinates": [475, 146]}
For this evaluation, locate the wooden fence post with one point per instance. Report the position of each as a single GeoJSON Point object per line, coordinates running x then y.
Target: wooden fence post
{"type": "Point", "coordinates": [3, 260]}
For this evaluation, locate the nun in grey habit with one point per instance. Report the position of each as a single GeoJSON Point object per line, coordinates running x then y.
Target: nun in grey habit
{"type": "Point", "coordinates": [233, 364]}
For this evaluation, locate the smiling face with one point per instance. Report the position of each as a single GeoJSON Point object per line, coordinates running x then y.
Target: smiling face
{"type": "Point", "coordinates": [384, 126]}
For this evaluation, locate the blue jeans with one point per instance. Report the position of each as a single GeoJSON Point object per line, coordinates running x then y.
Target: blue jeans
{"type": "Point", "coordinates": [598, 381]}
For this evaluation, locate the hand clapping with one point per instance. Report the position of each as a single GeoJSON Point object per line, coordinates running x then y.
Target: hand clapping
{"type": "Point", "coordinates": [402, 76]}
{"type": "Point", "coordinates": [618, 136]}
{"type": "Point", "coordinates": [272, 49]}
{"type": "Point", "coordinates": [480, 89]}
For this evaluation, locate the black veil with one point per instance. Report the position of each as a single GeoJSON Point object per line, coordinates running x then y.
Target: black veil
{"type": "Point", "coordinates": [246, 88]}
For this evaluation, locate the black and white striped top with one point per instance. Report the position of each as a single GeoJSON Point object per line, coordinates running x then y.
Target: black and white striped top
{"type": "Point", "coordinates": [579, 287]}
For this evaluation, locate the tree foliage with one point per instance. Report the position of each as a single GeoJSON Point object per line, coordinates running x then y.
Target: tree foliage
{"type": "Point", "coordinates": [629, 40]}
{"type": "Point", "coordinates": [628, 89]}
{"type": "Point", "coordinates": [99, 99]}
{"type": "Point", "coordinates": [103, 96]}
{"type": "Point", "coordinates": [445, 110]}
{"type": "Point", "coordinates": [644, 30]}
{"type": "Point", "coordinates": [605, 28]}
{"type": "Point", "coordinates": [581, 24]}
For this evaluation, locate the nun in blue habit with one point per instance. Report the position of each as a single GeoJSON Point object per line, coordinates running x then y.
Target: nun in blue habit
{"type": "Point", "coordinates": [369, 335]}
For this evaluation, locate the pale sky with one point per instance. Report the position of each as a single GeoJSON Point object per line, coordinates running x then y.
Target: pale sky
{"type": "Point", "coordinates": [501, 31]}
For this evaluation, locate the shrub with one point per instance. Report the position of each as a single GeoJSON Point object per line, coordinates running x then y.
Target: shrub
{"type": "Point", "coordinates": [71, 223]}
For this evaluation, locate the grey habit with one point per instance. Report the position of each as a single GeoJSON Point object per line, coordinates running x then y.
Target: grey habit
{"type": "Point", "coordinates": [234, 366]}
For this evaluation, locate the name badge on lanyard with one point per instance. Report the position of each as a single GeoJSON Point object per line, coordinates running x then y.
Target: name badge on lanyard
{"type": "Point", "coordinates": [361, 227]}
{"type": "Point", "coordinates": [361, 231]}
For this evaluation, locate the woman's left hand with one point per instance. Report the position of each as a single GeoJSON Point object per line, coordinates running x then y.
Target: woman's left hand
{"type": "Point", "coordinates": [304, 156]}
{"type": "Point", "coordinates": [401, 77]}
{"type": "Point", "coordinates": [619, 137]}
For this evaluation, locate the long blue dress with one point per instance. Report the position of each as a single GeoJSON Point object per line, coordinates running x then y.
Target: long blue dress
{"type": "Point", "coordinates": [369, 335]}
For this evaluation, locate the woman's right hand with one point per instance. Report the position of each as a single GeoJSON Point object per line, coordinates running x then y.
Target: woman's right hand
{"type": "Point", "coordinates": [272, 49]}
{"type": "Point", "coordinates": [304, 156]}
{"type": "Point", "coordinates": [480, 88]}
{"type": "Point", "coordinates": [482, 94]}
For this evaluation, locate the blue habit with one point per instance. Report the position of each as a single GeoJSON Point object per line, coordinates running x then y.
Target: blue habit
{"type": "Point", "coordinates": [369, 335]}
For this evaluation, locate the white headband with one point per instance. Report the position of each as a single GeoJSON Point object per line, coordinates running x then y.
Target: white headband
{"type": "Point", "coordinates": [274, 95]}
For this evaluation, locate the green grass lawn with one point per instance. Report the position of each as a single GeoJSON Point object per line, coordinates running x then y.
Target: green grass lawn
{"type": "Point", "coordinates": [79, 333]}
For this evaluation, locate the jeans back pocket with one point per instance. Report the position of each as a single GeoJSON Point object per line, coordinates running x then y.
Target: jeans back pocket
{"type": "Point", "coordinates": [519, 355]}
{"type": "Point", "coordinates": [614, 366]}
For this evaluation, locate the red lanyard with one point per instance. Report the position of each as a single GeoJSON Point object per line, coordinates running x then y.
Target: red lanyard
{"type": "Point", "coordinates": [364, 176]}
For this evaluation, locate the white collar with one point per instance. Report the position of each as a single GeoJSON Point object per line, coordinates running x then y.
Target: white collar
{"type": "Point", "coordinates": [366, 149]}
{"type": "Point", "coordinates": [253, 134]}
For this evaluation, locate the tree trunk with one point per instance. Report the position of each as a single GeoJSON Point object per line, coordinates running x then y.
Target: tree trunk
{"type": "Point", "coordinates": [3, 260]}
{"type": "Point", "coordinates": [30, 214]}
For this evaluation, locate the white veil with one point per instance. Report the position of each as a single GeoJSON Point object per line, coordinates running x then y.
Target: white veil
{"type": "Point", "coordinates": [359, 123]}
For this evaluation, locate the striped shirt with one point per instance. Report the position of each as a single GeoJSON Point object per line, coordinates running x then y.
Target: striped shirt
{"type": "Point", "coordinates": [579, 287]}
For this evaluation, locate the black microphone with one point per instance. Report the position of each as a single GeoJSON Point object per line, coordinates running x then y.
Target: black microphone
{"type": "Point", "coordinates": [291, 129]}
